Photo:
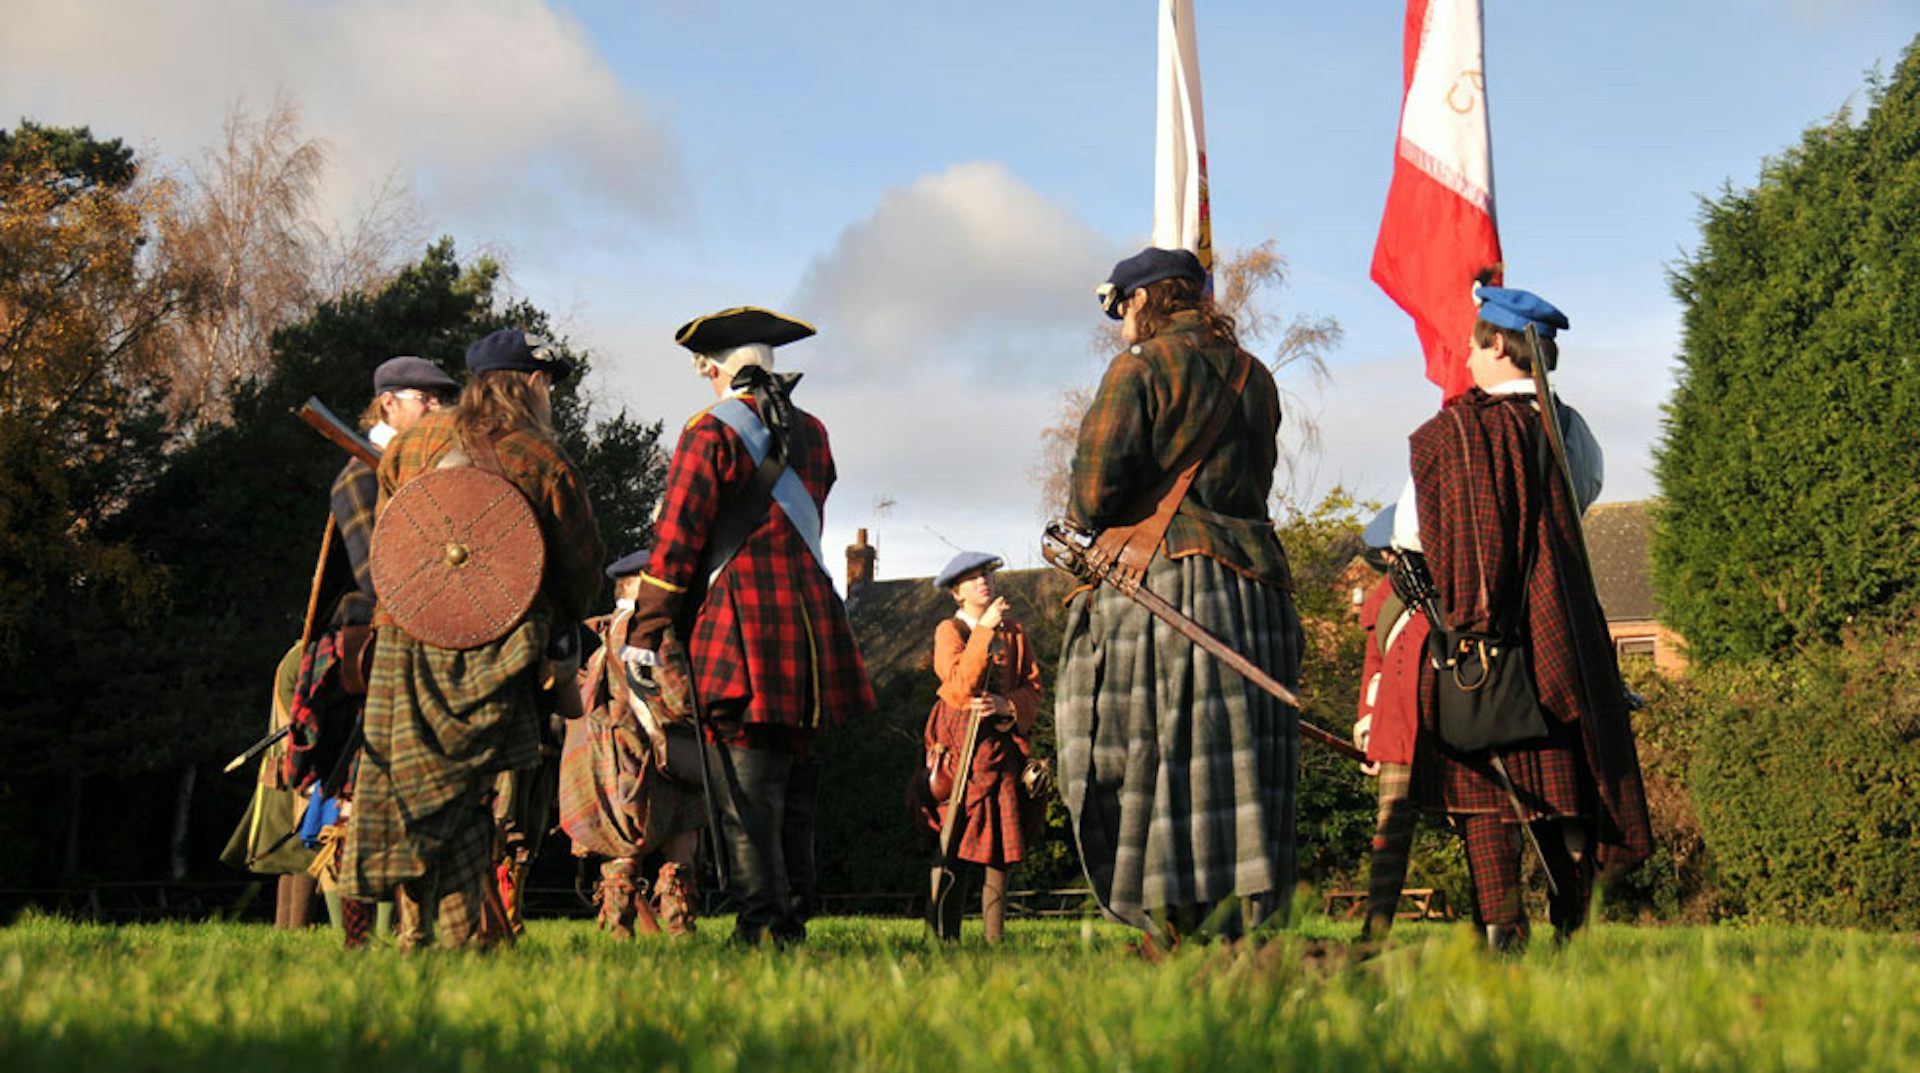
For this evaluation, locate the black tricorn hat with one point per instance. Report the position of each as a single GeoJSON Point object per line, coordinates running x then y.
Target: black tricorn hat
{"type": "Point", "coordinates": [730, 328]}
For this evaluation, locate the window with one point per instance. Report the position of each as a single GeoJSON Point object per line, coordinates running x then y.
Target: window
{"type": "Point", "coordinates": [1634, 647]}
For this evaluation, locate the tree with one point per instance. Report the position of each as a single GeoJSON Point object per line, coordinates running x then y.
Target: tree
{"type": "Point", "coordinates": [250, 231]}
{"type": "Point", "coordinates": [82, 301]}
{"type": "Point", "coordinates": [1788, 510]}
{"type": "Point", "coordinates": [1241, 283]}
{"type": "Point", "coordinates": [233, 524]}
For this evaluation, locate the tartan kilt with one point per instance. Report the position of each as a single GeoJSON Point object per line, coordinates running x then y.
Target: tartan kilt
{"type": "Point", "coordinates": [1549, 776]}
{"type": "Point", "coordinates": [1180, 775]}
{"type": "Point", "coordinates": [439, 726]}
{"type": "Point", "coordinates": [613, 801]}
{"type": "Point", "coordinates": [994, 817]}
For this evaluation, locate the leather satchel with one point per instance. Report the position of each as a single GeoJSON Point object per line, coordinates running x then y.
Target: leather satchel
{"type": "Point", "coordinates": [657, 687]}
{"type": "Point", "coordinates": [1485, 696]}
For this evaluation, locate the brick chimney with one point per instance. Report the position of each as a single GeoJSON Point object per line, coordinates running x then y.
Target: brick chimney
{"type": "Point", "coordinates": [861, 558]}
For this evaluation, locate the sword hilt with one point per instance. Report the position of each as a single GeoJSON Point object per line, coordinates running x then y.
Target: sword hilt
{"type": "Point", "coordinates": [1066, 546]}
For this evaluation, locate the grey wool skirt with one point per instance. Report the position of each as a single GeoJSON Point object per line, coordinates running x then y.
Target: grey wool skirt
{"type": "Point", "coordinates": [1179, 774]}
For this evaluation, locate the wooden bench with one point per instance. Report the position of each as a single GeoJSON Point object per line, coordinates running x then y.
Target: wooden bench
{"type": "Point", "coordinates": [1427, 904]}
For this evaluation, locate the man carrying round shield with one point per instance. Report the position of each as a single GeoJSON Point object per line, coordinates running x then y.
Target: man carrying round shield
{"type": "Point", "coordinates": [475, 583]}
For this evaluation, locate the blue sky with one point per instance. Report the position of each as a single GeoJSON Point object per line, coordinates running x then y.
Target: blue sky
{"type": "Point", "coordinates": [939, 187]}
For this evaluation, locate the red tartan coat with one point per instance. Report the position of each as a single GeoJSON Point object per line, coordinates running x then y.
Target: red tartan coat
{"type": "Point", "coordinates": [1477, 506]}
{"type": "Point", "coordinates": [771, 633]}
{"type": "Point", "coordinates": [1390, 679]}
{"type": "Point", "coordinates": [992, 823]}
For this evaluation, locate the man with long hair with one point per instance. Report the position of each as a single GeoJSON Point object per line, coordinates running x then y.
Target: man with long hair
{"type": "Point", "coordinates": [737, 572]}
{"type": "Point", "coordinates": [1179, 774]}
{"type": "Point", "coordinates": [442, 724]}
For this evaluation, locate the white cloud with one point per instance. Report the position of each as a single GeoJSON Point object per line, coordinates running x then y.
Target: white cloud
{"type": "Point", "coordinates": [963, 262]}
{"type": "Point", "coordinates": [950, 319]}
{"type": "Point", "coordinates": [494, 110]}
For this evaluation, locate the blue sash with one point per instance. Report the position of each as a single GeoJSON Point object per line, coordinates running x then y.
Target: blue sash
{"type": "Point", "coordinates": [788, 491]}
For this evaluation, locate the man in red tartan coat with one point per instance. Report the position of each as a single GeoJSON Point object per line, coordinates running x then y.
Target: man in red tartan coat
{"type": "Point", "coordinates": [773, 657]}
{"type": "Point", "coordinates": [1482, 499]}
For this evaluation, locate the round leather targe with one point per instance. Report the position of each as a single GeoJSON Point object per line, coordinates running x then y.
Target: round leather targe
{"type": "Point", "coordinates": [457, 557]}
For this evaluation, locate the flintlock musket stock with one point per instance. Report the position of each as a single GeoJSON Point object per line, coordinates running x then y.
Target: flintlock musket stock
{"type": "Point", "coordinates": [328, 424]}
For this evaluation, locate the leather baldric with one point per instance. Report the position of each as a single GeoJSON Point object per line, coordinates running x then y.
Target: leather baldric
{"type": "Point", "coordinates": [1129, 549]}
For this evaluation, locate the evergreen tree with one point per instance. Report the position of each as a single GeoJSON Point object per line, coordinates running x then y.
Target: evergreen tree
{"type": "Point", "coordinates": [1790, 508]}
{"type": "Point", "coordinates": [231, 529]}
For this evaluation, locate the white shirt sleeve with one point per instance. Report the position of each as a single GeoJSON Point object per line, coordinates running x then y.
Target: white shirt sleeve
{"type": "Point", "coordinates": [1406, 520]}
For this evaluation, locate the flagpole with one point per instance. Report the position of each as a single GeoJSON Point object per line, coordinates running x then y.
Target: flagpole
{"type": "Point", "coordinates": [1182, 211]}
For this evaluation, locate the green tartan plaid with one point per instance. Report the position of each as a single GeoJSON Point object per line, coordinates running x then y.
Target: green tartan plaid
{"type": "Point", "coordinates": [439, 725]}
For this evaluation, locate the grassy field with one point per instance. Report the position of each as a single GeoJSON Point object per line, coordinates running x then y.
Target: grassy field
{"type": "Point", "coordinates": [874, 994]}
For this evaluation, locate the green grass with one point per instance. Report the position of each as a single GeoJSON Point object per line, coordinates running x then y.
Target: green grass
{"type": "Point", "coordinates": [875, 994]}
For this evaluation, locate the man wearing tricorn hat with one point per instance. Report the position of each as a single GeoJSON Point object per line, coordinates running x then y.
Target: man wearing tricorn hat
{"type": "Point", "coordinates": [737, 571]}
{"type": "Point", "coordinates": [1499, 528]}
{"type": "Point", "coordinates": [1180, 775]}
{"type": "Point", "coordinates": [442, 723]}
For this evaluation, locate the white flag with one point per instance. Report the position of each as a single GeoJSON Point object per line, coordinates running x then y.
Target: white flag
{"type": "Point", "coordinates": [1182, 218]}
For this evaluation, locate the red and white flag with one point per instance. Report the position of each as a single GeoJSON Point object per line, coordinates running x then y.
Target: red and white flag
{"type": "Point", "coordinates": [1439, 227]}
{"type": "Point", "coordinates": [1182, 218]}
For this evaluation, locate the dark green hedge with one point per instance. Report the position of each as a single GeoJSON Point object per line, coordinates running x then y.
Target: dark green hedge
{"type": "Point", "coordinates": [1806, 777]}
{"type": "Point", "coordinates": [1797, 395]}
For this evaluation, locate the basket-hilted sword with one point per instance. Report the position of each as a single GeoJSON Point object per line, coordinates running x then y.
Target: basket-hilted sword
{"type": "Point", "coordinates": [1065, 547]}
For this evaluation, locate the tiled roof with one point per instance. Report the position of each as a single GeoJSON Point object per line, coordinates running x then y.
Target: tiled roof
{"type": "Point", "coordinates": [1620, 541]}
{"type": "Point", "coordinates": [894, 619]}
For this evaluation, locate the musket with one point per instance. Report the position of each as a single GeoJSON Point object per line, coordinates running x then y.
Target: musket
{"type": "Point", "coordinates": [714, 826]}
{"type": "Point", "coordinates": [257, 748]}
{"type": "Point", "coordinates": [945, 877]}
{"type": "Point", "coordinates": [637, 686]}
{"type": "Point", "coordinates": [328, 424]}
{"type": "Point", "coordinates": [1557, 443]}
{"type": "Point", "coordinates": [1062, 548]}
{"type": "Point", "coordinates": [1414, 585]}
{"type": "Point", "coordinates": [1563, 466]}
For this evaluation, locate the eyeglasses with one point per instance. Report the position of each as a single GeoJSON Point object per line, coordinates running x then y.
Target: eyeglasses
{"type": "Point", "coordinates": [426, 398]}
